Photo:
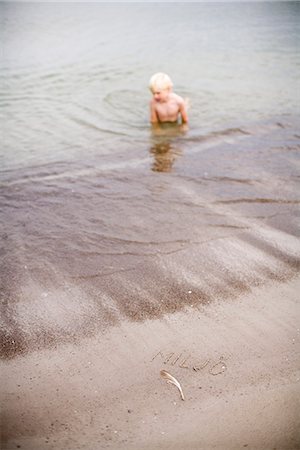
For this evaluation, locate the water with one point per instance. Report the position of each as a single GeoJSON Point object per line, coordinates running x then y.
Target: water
{"type": "Point", "coordinates": [98, 213]}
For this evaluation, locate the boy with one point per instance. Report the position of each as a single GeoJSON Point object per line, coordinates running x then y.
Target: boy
{"type": "Point", "coordinates": [165, 106]}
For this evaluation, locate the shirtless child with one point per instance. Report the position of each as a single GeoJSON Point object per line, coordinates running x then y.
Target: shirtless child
{"type": "Point", "coordinates": [165, 105]}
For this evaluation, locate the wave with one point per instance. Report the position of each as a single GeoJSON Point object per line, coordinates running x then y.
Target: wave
{"type": "Point", "coordinates": [257, 200]}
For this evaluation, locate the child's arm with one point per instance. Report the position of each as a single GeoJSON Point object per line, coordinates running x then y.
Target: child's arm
{"type": "Point", "coordinates": [153, 113]}
{"type": "Point", "coordinates": [183, 112]}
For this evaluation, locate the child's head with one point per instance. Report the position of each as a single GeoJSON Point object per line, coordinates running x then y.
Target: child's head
{"type": "Point", "coordinates": [160, 82]}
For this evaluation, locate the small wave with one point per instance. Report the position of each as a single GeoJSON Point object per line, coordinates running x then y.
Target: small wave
{"type": "Point", "coordinates": [223, 225]}
{"type": "Point", "coordinates": [101, 274]}
{"type": "Point", "coordinates": [256, 200]}
{"type": "Point", "coordinates": [76, 173]}
{"type": "Point", "coordinates": [91, 125]}
{"type": "Point", "coordinates": [230, 132]}
{"type": "Point", "coordinates": [219, 134]}
{"type": "Point", "coordinates": [232, 180]}
{"type": "Point", "coordinates": [124, 106]}
{"type": "Point", "coordinates": [144, 241]}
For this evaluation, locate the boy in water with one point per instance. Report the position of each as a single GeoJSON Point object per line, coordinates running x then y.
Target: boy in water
{"type": "Point", "coordinates": [165, 105]}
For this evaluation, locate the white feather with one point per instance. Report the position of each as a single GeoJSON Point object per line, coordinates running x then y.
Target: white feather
{"type": "Point", "coordinates": [172, 380]}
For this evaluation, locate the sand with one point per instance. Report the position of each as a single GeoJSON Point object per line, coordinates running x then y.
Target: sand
{"type": "Point", "coordinates": [237, 362]}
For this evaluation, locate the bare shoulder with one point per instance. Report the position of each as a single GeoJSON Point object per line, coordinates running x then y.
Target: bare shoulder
{"type": "Point", "coordinates": [179, 100]}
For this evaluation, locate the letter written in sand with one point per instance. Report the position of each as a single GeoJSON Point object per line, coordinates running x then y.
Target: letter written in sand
{"type": "Point", "coordinates": [218, 368]}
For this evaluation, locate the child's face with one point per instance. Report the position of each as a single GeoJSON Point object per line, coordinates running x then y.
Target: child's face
{"type": "Point", "coordinates": [161, 95]}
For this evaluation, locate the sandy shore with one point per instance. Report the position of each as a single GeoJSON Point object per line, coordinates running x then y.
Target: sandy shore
{"type": "Point", "coordinates": [237, 361]}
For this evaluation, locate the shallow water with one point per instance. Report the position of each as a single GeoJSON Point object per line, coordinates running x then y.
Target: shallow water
{"type": "Point", "coordinates": [90, 194]}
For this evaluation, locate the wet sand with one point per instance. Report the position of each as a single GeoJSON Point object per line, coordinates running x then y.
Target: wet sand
{"type": "Point", "coordinates": [237, 361]}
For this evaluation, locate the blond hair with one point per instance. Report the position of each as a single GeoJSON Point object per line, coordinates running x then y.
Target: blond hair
{"type": "Point", "coordinates": [160, 81]}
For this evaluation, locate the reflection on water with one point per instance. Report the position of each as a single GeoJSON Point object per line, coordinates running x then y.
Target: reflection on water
{"type": "Point", "coordinates": [164, 156]}
{"type": "Point", "coordinates": [165, 146]}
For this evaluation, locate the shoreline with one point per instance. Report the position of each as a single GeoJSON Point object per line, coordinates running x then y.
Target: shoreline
{"type": "Point", "coordinates": [106, 392]}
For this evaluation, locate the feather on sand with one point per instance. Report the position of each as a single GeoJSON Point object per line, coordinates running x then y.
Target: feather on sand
{"type": "Point", "coordinates": [172, 380]}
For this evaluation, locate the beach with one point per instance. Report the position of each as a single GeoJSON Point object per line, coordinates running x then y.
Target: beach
{"type": "Point", "coordinates": [235, 352]}
{"type": "Point", "coordinates": [127, 250]}
{"type": "Point", "coordinates": [238, 365]}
